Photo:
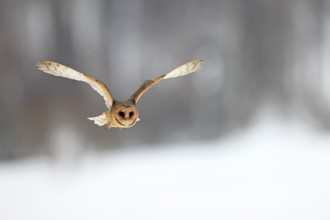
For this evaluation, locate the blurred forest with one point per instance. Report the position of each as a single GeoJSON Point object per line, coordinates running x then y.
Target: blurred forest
{"type": "Point", "coordinates": [258, 54]}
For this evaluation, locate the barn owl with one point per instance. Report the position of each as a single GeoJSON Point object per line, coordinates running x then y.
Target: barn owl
{"type": "Point", "coordinates": [119, 114]}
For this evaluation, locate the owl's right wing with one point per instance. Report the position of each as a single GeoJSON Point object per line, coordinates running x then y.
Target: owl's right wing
{"type": "Point", "coordinates": [60, 70]}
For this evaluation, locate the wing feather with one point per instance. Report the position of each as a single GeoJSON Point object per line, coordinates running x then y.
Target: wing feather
{"type": "Point", "coordinates": [100, 120]}
{"type": "Point", "coordinates": [185, 69]}
{"type": "Point", "coordinates": [60, 70]}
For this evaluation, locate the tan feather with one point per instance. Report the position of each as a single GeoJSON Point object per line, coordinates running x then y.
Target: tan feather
{"type": "Point", "coordinates": [185, 69]}
{"type": "Point", "coordinates": [60, 70]}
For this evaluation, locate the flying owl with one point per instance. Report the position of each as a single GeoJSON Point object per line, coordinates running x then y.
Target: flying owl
{"type": "Point", "coordinates": [119, 114]}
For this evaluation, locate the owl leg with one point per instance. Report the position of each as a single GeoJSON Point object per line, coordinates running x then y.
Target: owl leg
{"type": "Point", "coordinates": [108, 126]}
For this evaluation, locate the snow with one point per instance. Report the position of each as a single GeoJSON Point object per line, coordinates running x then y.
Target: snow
{"type": "Point", "coordinates": [274, 170]}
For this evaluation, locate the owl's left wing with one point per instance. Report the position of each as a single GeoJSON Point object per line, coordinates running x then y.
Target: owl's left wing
{"type": "Point", "coordinates": [60, 70]}
{"type": "Point", "coordinates": [185, 69]}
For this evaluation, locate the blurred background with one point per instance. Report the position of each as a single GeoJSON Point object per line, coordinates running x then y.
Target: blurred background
{"type": "Point", "coordinates": [256, 53]}
{"type": "Point", "coordinates": [265, 61]}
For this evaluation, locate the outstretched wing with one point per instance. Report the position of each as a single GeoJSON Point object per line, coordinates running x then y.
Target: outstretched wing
{"type": "Point", "coordinates": [57, 69]}
{"type": "Point", "coordinates": [185, 69]}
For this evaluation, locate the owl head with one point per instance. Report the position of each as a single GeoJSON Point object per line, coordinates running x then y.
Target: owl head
{"type": "Point", "coordinates": [124, 114]}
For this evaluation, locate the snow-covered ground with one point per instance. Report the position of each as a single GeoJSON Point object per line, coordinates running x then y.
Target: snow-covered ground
{"type": "Point", "coordinates": [274, 170]}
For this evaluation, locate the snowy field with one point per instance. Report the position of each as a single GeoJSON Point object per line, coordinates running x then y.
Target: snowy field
{"type": "Point", "coordinates": [274, 170]}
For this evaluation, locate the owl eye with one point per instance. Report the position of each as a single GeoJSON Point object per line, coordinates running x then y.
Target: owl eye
{"type": "Point", "coordinates": [131, 114]}
{"type": "Point", "coordinates": [121, 114]}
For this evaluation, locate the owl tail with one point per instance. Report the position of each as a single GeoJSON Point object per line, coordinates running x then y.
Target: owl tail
{"type": "Point", "coordinates": [101, 119]}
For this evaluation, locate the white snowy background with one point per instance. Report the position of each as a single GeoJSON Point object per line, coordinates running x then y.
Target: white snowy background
{"type": "Point", "coordinates": [276, 169]}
